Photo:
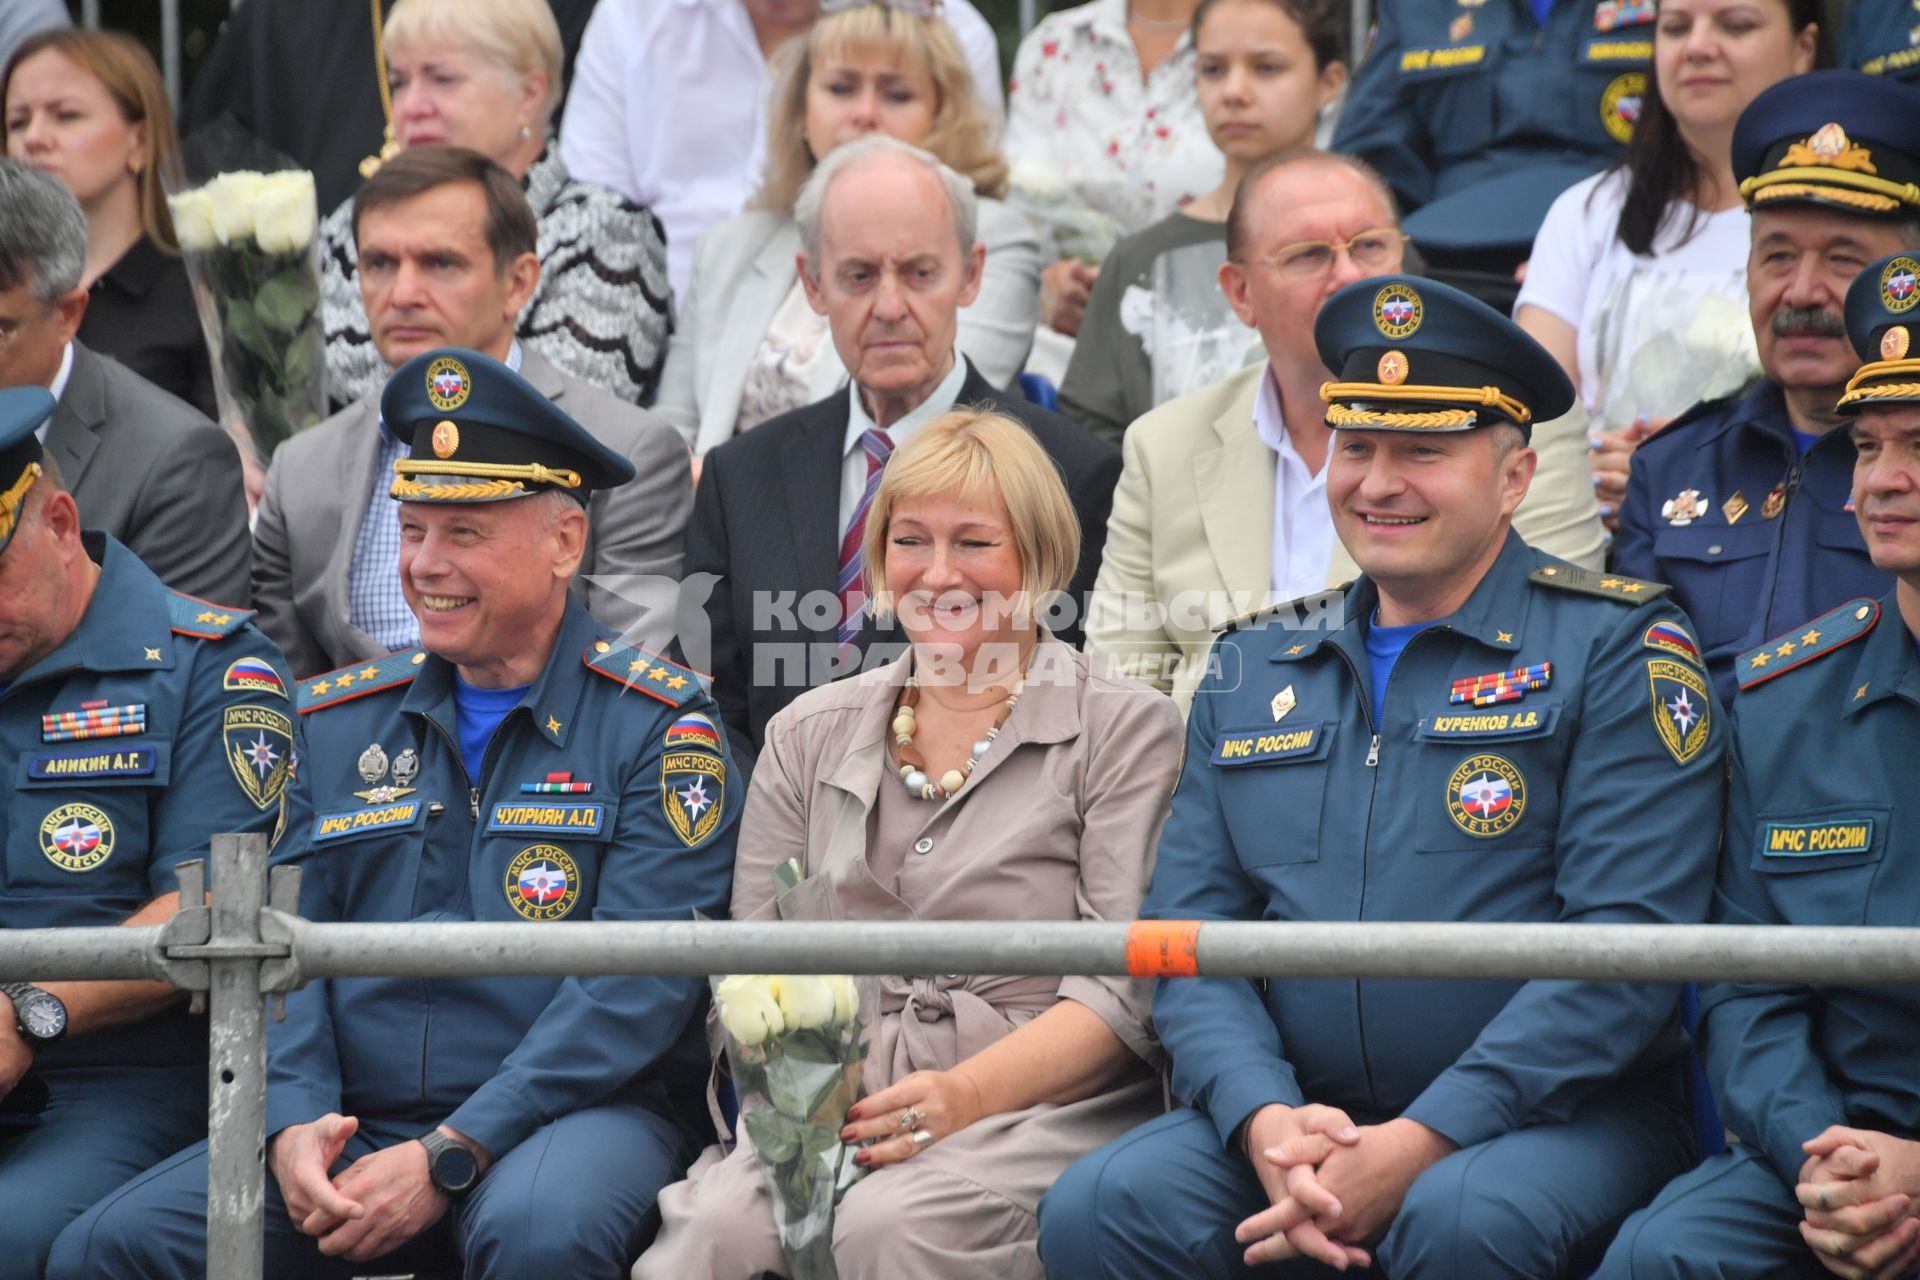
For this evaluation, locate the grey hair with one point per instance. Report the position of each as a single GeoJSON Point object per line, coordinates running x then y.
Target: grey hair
{"type": "Point", "coordinates": [43, 233]}
{"type": "Point", "coordinates": [961, 200]}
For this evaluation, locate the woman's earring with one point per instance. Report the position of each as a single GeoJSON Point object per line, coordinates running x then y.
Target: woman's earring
{"type": "Point", "coordinates": [526, 131]}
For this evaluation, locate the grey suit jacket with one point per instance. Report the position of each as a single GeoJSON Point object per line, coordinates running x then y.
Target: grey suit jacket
{"type": "Point", "coordinates": [316, 496]}
{"type": "Point", "coordinates": [746, 269]}
{"type": "Point", "coordinates": [152, 471]}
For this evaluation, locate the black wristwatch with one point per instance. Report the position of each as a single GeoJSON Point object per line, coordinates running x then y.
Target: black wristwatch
{"type": "Point", "coordinates": [40, 1014]}
{"type": "Point", "coordinates": [450, 1165]}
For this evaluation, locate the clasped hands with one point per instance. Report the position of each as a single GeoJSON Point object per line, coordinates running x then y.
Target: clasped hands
{"type": "Point", "coordinates": [1335, 1186]}
{"type": "Point", "coordinates": [375, 1205]}
{"type": "Point", "coordinates": [1859, 1190]}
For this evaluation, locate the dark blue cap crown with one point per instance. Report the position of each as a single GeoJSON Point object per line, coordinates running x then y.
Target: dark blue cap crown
{"type": "Point", "coordinates": [1410, 354]}
{"type": "Point", "coordinates": [1835, 139]}
{"type": "Point", "coordinates": [479, 432]}
{"type": "Point", "coordinates": [1883, 319]}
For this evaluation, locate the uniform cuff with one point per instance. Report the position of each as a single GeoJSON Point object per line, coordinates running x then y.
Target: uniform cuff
{"type": "Point", "coordinates": [488, 1120]}
{"type": "Point", "coordinates": [1458, 1112]}
{"type": "Point", "coordinates": [1234, 1096]}
{"type": "Point", "coordinates": [293, 1105]}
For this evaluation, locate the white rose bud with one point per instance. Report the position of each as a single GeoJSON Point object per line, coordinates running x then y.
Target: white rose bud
{"type": "Point", "coordinates": [806, 1001]}
{"type": "Point", "coordinates": [193, 220]}
{"type": "Point", "coordinates": [231, 195]}
{"type": "Point", "coordinates": [284, 211]}
{"type": "Point", "coordinates": [846, 999]}
{"type": "Point", "coordinates": [748, 1009]}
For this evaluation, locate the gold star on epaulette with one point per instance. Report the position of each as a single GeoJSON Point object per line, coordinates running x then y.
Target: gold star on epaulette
{"type": "Point", "coordinates": [1609, 582]}
{"type": "Point", "coordinates": [223, 618]}
{"type": "Point", "coordinates": [344, 679]}
{"type": "Point", "coordinates": [677, 683]}
{"type": "Point", "coordinates": [553, 726]}
{"type": "Point", "coordinates": [1760, 659]}
{"type": "Point", "coordinates": [1299, 648]}
{"type": "Point", "coordinates": [205, 617]}
{"type": "Point", "coordinates": [1812, 637]}
{"type": "Point", "coordinates": [636, 667]}
{"type": "Point", "coordinates": [1785, 648]}
{"type": "Point", "coordinates": [321, 688]}
{"type": "Point", "coordinates": [658, 673]}
{"type": "Point", "coordinates": [368, 673]}
{"type": "Point", "coordinates": [1504, 637]}
{"type": "Point", "coordinates": [153, 655]}
{"type": "Point", "coordinates": [1860, 693]}
{"type": "Point", "coordinates": [1633, 588]}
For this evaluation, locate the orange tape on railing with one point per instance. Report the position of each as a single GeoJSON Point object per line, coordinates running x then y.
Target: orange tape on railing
{"type": "Point", "coordinates": [1163, 948]}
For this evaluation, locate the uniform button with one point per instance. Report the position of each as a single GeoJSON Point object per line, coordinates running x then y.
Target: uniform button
{"type": "Point", "coordinates": [923, 845]}
{"type": "Point", "coordinates": [1715, 549]}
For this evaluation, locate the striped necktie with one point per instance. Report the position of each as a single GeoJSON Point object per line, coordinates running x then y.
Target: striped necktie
{"type": "Point", "coordinates": [853, 600]}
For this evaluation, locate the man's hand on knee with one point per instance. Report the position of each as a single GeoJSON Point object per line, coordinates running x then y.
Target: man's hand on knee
{"type": "Point", "coordinates": [300, 1157]}
{"type": "Point", "coordinates": [1858, 1188]}
{"type": "Point", "coordinates": [400, 1200]}
{"type": "Point", "coordinates": [1284, 1145]}
{"type": "Point", "coordinates": [1371, 1177]}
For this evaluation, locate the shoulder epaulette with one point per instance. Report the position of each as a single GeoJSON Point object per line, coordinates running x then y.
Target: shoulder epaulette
{"type": "Point", "coordinates": [1265, 611]}
{"type": "Point", "coordinates": [640, 669]}
{"type": "Point", "coordinates": [1815, 640]}
{"type": "Point", "coordinates": [1586, 582]}
{"type": "Point", "coordinates": [348, 683]}
{"type": "Point", "coordinates": [190, 616]}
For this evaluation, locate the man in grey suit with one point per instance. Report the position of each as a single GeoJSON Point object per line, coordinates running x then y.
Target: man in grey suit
{"type": "Point", "coordinates": [145, 467]}
{"type": "Point", "coordinates": [446, 247]}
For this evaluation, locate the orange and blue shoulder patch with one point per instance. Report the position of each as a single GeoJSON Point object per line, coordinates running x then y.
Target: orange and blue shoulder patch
{"type": "Point", "coordinates": [348, 683]}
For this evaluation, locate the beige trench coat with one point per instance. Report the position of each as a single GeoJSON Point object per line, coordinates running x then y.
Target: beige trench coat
{"type": "Point", "coordinates": [1059, 823]}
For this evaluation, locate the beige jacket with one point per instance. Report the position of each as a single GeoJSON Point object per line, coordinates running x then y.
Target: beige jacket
{"type": "Point", "coordinates": [1190, 542]}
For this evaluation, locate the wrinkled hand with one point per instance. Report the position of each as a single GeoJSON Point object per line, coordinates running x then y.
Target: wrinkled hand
{"type": "Point", "coordinates": [949, 1101]}
{"type": "Point", "coordinates": [400, 1201]}
{"type": "Point", "coordinates": [16, 1058]}
{"type": "Point", "coordinates": [300, 1156]}
{"type": "Point", "coordinates": [1064, 289]}
{"type": "Point", "coordinates": [1370, 1178]}
{"type": "Point", "coordinates": [1859, 1187]}
{"type": "Point", "coordinates": [1286, 1144]}
{"type": "Point", "coordinates": [1612, 455]}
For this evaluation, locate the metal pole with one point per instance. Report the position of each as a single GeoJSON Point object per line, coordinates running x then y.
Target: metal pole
{"type": "Point", "coordinates": [1028, 17]}
{"type": "Point", "coordinates": [71, 955]}
{"type": "Point", "coordinates": [90, 14]}
{"type": "Point", "coordinates": [170, 49]}
{"type": "Point", "coordinates": [1362, 20]}
{"type": "Point", "coordinates": [237, 1064]}
{"type": "Point", "coordinates": [1592, 952]}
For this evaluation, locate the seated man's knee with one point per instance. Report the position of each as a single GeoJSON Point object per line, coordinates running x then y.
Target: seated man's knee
{"type": "Point", "coordinates": [1467, 1218]}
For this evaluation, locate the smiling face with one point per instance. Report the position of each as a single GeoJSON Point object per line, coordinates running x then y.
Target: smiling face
{"type": "Point", "coordinates": [454, 95]}
{"type": "Point", "coordinates": [61, 119]}
{"type": "Point", "coordinates": [852, 93]}
{"type": "Point", "coordinates": [1712, 57]}
{"type": "Point", "coordinates": [954, 577]}
{"type": "Point", "coordinates": [1259, 89]}
{"type": "Point", "coordinates": [1423, 513]}
{"type": "Point", "coordinates": [427, 276]}
{"type": "Point", "coordinates": [1798, 270]}
{"type": "Point", "coordinates": [488, 581]}
{"type": "Point", "coordinates": [1886, 486]}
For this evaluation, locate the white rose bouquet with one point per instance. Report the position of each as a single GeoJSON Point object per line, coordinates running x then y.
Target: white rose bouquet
{"type": "Point", "coordinates": [797, 1044]}
{"type": "Point", "coordinates": [249, 245]}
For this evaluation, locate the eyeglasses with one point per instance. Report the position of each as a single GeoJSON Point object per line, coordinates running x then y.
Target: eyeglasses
{"type": "Point", "coordinates": [918, 8]}
{"type": "Point", "coordinates": [1371, 251]}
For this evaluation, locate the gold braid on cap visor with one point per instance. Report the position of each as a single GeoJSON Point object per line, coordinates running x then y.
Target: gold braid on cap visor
{"type": "Point", "coordinates": [1876, 195]}
{"type": "Point", "coordinates": [501, 480]}
{"type": "Point", "coordinates": [1341, 415]}
{"type": "Point", "coordinates": [1855, 392]}
{"type": "Point", "coordinates": [11, 500]}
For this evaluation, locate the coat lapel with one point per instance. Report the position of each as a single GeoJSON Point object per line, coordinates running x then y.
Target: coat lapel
{"type": "Point", "coordinates": [1235, 485]}
{"type": "Point", "coordinates": [71, 439]}
{"type": "Point", "coordinates": [751, 310]}
{"type": "Point", "coordinates": [810, 468]}
{"type": "Point", "coordinates": [355, 480]}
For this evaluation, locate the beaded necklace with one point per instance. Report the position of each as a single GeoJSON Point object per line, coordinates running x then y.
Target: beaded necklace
{"type": "Point", "coordinates": [913, 766]}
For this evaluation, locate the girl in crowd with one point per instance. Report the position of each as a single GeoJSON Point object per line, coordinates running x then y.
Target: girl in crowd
{"type": "Point", "coordinates": [1637, 283]}
{"type": "Point", "coordinates": [990, 773]}
{"type": "Point", "coordinates": [89, 108]}
{"type": "Point", "coordinates": [1265, 69]}
{"type": "Point", "coordinates": [485, 75]}
{"type": "Point", "coordinates": [747, 347]}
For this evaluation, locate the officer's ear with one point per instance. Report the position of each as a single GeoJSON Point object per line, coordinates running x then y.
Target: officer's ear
{"type": "Point", "coordinates": [1517, 465]}
{"type": "Point", "coordinates": [568, 532]}
{"type": "Point", "coordinates": [1233, 286]}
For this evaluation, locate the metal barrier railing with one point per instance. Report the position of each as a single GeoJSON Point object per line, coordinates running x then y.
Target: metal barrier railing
{"type": "Point", "coordinates": [246, 946]}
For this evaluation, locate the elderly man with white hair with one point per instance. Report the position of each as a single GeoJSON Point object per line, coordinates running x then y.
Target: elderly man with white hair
{"type": "Point", "coordinates": [889, 256]}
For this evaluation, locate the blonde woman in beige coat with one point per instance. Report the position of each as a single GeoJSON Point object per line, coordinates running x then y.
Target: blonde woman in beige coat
{"type": "Point", "coordinates": [1032, 787]}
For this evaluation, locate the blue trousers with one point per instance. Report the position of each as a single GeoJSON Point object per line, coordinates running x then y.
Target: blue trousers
{"type": "Point", "coordinates": [575, 1200]}
{"type": "Point", "coordinates": [101, 1126]}
{"type": "Point", "coordinates": [1733, 1218]}
{"type": "Point", "coordinates": [1534, 1204]}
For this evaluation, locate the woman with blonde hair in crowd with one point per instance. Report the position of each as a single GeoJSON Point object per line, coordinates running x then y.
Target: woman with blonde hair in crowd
{"type": "Point", "coordinates": [747, 347]}
{"type": "Point", "coordinates": [486, 75]}
{"type": "Point", "coordinates": [990, 773]}
{"type": "Point", "coordinates": [89, 108]}
{"type": "Point", "coordinates": [1637, 283]}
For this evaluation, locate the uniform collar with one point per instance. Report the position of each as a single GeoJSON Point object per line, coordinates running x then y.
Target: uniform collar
{"type": "Point", "coordinates": [1886, 667]}
{"type": "Point", "coordinates": [550, 702]}
{"type": "Point", "coordinates": [1495, 614]}
{"type": "Point", "coordinates": [125, 627]}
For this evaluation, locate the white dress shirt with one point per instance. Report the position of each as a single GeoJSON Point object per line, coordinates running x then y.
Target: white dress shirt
{"type": "Point", "coordinates": [58, 387]}
{"type": "Point", "coordinates": [853, 457]}
{"type": "Point", "coordinates": [668, 106]}
{"type": "Point", "coordinates": [1302, 523]}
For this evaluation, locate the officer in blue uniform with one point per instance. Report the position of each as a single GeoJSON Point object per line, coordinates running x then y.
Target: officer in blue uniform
{"type": "Point", "coordinates": [135, 723]}
{"type": "Point", "coordinates": [1882, 38]}
{"type": "Point", "coordinates": [1480, 112]}
{"type": "Point", "coordinates": [1485, 734]}
{"type": "Point", "coordinates": [1814, 1080]}
{"type": "Point", "coordinates": [1742, 504]}
{"type": "Point", "coordinates": [522, 765]}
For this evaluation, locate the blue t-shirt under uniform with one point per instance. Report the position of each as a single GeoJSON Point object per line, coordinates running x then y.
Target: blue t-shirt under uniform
{"type": "Point", "coordinates": [1803, 440]}
{"type": "Point", "coordinates": [1384, 645]}
{"type": "Point", "coordinates": [480, 712]}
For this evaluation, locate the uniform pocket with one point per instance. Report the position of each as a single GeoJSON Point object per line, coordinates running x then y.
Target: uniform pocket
{"type": "Point", "coordinates": [91, 840]}
{"type": "Point", "coordinates": [370, 856]}
{"type": "Point", "coordinates": [1273, 782]}
{"type": "Point", "coordinates": [1488, 779]}
{"type": "Point", "coordinates": [1717, 573]}
{"type": "Point", "coordinates": [1821, 863]}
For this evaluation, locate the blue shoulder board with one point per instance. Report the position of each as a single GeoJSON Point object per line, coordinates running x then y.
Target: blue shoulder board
{"type": "Point", "coordinates": [348, 683]}
{"type": "Point", "coordinates": [1587, 582]}
{"type": "Point", "coordinates": [1815, 640]}
{"type": "Point", "coordinates": [639, 669]}
{"type": "Point", "coordinates": [189, 616]}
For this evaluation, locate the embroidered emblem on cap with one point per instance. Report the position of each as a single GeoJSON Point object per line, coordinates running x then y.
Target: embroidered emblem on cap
{"type": "Point", "coordinates": [543, 882]}
{"type": "Point", "coordinates": [1392, 369]}
{"type": "Point", "coordinates": [1900, 285]}
{"type": "Point", "coordinates": [1397, 311]}
{"type": "Point", "coordinates": [448, 383]}
{"type": "Point", "coordinates": [1894, 343]}
{"type": "Point", "coordinates": [1486, 796]}
{"type": "Point", "coordinates": [1829, 147]}
{"type": "Point", "coordinates": [446, 440]}
{"type": "Point", "coordinates": [1620, 105]}
{"type": "Point", "coordinates": [77, 837]}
